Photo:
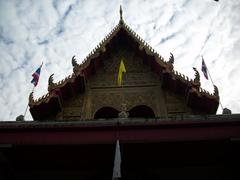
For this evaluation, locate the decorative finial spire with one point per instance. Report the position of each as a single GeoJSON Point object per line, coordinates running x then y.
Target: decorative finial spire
{"type": "Point", "coordinates": [121, 13]}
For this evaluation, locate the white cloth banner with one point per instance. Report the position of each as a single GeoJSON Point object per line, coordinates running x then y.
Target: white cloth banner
{"type": "Point", "coordinates": [117, 162]}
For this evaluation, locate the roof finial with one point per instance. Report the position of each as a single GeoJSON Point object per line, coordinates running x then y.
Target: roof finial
{"type": "Point", "coordinates": [121, 13]}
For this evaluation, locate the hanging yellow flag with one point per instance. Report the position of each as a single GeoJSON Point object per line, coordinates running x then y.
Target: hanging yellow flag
{"type": "Point", "coordinates": [121, 70]}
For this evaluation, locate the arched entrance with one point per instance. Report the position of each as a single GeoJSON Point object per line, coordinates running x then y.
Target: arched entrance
{"type": "Point", "coordinates": [106, 112]}
{"type": "Point", "coordinates": [141, 111]}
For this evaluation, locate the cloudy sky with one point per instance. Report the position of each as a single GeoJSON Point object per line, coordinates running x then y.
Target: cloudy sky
{"type": "Point", "coordinates": [52, 31]}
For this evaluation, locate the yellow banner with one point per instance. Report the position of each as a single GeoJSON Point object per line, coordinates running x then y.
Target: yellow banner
{"type": "Point", "coordinates": [122, 70]}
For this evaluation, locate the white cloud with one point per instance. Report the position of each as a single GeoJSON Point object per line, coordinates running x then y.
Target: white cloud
{"type": "Point", "coordinates": [54, 31]}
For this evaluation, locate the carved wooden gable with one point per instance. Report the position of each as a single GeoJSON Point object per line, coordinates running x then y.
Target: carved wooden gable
{"type": "Point", "coordinates": [151, 87]}
{"type": "Point", "coordinates": [141, 86]}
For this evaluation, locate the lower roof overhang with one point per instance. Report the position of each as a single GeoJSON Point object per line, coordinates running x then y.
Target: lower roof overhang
{"type": "Point", "coordinates": [129, 130]}
{"type": "Point", "coordinates": [185, 147]}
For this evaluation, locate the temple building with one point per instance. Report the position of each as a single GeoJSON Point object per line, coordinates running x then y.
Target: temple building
{"type": "Point", "coordinates": [165, 122]}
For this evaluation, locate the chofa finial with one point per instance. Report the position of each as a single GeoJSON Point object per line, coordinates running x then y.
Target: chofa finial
{"type": "Point", "coordinates": [121, 13]}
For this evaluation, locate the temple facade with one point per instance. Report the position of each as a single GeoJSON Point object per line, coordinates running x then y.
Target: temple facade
{"type": "Point", "coordinates": [151, 87]}
{"type": "Point", "coordinates": [165, 122]}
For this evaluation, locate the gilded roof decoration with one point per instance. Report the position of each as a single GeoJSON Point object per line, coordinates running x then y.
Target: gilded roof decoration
{"type": "Point", "coordinates": [44, 99]}
{"type": "Point", "coordinates": [202, 92]}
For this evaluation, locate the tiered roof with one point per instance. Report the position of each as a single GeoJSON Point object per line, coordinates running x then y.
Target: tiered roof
{"type": "Point", "coordinates": [196, 97]}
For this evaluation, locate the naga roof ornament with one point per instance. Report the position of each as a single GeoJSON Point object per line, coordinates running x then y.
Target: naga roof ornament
{"type": "Point", "coordinates": [30, 98]}
{"type": "Point", "coordinates": [74, 62]}
{"type": "Point", "coordinates": [51, 84]}
{"type": "Point", "coordinates": [196, 80]}
{"type": "Point", "coordinates": [171, 58]}
{"type": "Point", "coordinates": [216, 93]}
{"type": "Point", "coordinates": [170, 62]}
{"type": "Point", "coordinates": [75, 65]}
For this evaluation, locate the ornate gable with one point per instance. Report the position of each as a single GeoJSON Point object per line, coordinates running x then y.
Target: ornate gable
{"type": "Point", "coordinates": [150, 82]}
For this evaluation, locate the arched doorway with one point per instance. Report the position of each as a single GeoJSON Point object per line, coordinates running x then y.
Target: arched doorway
{"type": "Point", "coordinates": [106, 112]}
{"type": "Point", "coordinates": [141, 111]}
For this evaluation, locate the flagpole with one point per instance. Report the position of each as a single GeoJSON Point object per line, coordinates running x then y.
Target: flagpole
{"type": "Point", "coordinates": [35, 83]}
{"type": "Point", "coordinates": [213, 84]}
{"type": "Point", "coordinates": [28, 104]}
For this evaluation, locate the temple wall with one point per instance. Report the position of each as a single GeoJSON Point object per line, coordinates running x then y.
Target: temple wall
{"type": "Point", "coordinates": [140, 86]}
